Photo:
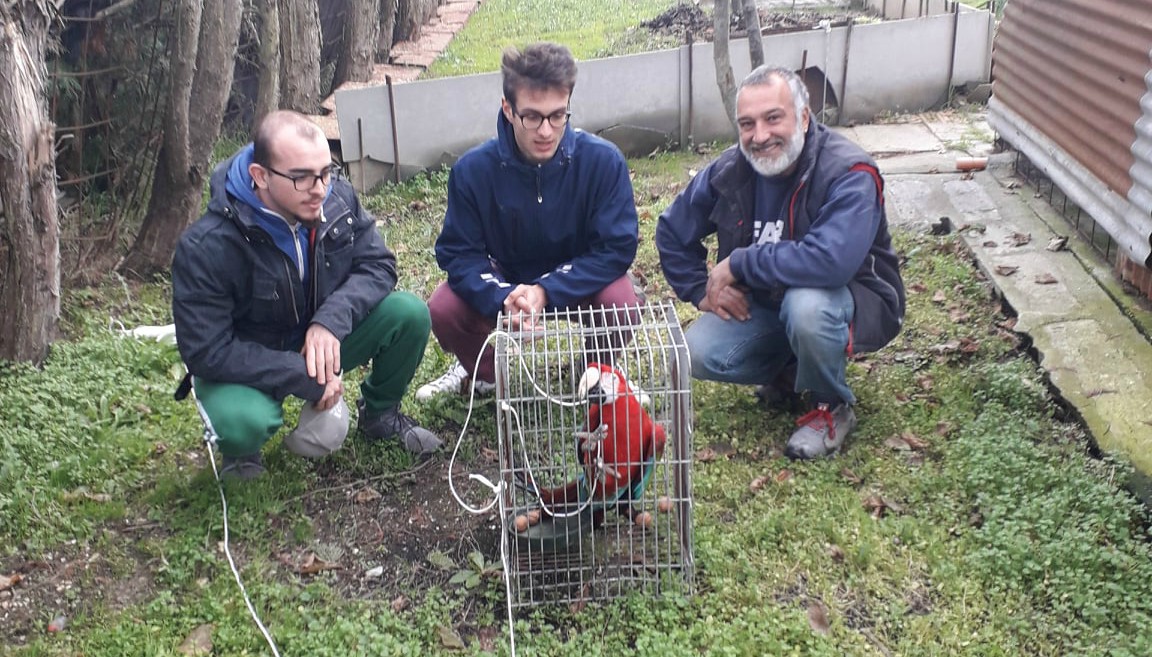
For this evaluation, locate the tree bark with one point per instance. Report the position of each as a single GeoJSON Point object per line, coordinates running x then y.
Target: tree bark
{"type": "Point", "coordinates": [387, 30]}
{"type": "Point", "coordinates": [202, 61]}
{"type": "Point", "coordinates": [358, 52]}
{"type": "Point", "coordinates": [300, 55]}
{"type": "Point", "coordinates": [755, 39]}
{"type": "Point", "coordinates": [30, 239]}
{"type": "Point", "coordinates": [268, 90]}
{"type": "Point", "coordinates": [721, 27]}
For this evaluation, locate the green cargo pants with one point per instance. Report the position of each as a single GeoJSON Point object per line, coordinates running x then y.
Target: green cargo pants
{"type": "Point", "coordinates": [392, 336]}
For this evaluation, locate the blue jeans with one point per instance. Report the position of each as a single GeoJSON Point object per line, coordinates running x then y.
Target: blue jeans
{"type": "Point", "coordinates": [811, 326]}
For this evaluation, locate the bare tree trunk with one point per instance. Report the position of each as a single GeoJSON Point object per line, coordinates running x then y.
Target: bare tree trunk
{"type": "Point", "coordinates": [755, 39]}
{"type": "Point", "coordinates": [358, 52]}
{"type": "Point", "coordinates": [300, 55]}
{"type": "Point", "coordinates": [387, 29]}
{"type": "Point", "coordinates": [30, 239]}
{"type": "Point", "coordinates": [721, 27]}
{"type": "Point", "coordinates": [268, 91]}
{"type": "Point", "coordinates": [202, 66]}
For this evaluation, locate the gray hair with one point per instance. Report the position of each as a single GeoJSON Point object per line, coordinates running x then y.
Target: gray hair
{"type": "Point", "coordinates": [766, 73]}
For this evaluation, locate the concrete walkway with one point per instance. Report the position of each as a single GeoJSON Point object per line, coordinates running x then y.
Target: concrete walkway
{"type": "Point", "coordinates": [1089, 334]}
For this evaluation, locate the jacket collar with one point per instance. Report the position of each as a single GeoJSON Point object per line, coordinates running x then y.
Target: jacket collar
{"type": "Point", "coordinates": [510, 153]}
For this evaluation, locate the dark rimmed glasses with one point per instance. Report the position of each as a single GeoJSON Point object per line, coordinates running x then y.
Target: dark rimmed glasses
{"type": "Point", "coordinates": [304, 182]}
{"type": "Point", "coordinates": [533, 121]}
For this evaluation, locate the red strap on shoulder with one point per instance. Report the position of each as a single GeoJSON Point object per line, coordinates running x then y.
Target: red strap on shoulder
{"type": "Point", "coordinates": [875, 177]}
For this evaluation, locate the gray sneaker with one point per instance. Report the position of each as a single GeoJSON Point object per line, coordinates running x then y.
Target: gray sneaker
{"type": "Point", "coordinates": [242, 468]}
{"type": "Point", "coordinates": [822, 432]}
{"type": "Point", "coordinates": [394, 424]}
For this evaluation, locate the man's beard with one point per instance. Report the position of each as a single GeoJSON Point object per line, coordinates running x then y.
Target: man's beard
{"type": "Point", "coordinates": [767, 165]}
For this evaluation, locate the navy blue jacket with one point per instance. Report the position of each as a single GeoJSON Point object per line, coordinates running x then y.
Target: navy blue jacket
{"type": "Point", "coordinates": [568, 224]}
{"type": "Point", "coordinates": [835, 234]}
{"type": "Point", "coordinates": [240, 307]}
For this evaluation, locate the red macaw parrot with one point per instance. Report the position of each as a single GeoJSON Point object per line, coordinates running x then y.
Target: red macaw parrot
{"type": "Point", "coordinates": [621, 441]}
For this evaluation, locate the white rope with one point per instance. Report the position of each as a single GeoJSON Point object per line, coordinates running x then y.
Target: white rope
{"type": "Point", "coordinates": [209, 441]}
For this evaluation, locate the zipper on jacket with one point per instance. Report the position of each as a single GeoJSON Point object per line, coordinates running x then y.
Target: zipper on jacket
{"type": "Point", "coordinates": [292, 291]}
{"type": "Point", "coordinates": [539, 189]}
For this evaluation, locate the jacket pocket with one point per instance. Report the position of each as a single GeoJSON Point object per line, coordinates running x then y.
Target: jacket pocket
{"type": "Point", "coordinates": [270, 305]}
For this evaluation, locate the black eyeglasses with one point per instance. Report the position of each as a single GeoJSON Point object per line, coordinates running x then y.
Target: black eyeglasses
{"type": "Point", "coordinates": [304, 182]}
{"type": "Point", "coordinates": [533, 121]}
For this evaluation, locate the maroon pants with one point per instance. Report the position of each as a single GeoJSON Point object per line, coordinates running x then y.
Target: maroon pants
{"type": "Point", "coordinates": [461, 330]}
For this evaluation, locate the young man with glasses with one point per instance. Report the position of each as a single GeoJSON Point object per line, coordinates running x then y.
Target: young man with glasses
{"type": "Point", "coordinates": [282, 285]}
{"type": "Point", "coordinates": [541, 217]}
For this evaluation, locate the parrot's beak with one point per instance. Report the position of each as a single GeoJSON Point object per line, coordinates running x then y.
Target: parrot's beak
{"type": "Point", "coordinates": [589, 386]}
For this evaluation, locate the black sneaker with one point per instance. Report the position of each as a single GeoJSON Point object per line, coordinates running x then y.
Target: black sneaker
{"type": "Point", "coordinates": [394, 424]}
{"type": "Point", "coordinates": [243, 468]}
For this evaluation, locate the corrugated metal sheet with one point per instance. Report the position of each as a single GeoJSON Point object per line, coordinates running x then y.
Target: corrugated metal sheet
{"type": "Point", "coordinates": [1069, 77]}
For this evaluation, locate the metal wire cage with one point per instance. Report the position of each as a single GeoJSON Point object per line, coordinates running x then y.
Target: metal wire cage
{"type": "Point", "coordinates": [590, 543]}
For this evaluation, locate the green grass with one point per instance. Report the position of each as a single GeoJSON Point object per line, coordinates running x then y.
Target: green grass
{"type": "Point", "coordinates": [1001, 536]}
{"type": "Point", "coordinates": [589, 29]}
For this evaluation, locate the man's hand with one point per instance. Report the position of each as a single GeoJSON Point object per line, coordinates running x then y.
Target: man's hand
{"type": "Point", "coordinates": [321, 355]}
{"type": "Point", "coordinates": [724, 297]}
{"type": "Point", "coordinates": [522, 305]}
{"type": "Point", "coordinates": [332, 393]}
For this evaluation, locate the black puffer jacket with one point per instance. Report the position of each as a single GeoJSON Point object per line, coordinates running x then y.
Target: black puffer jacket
{"type": "Point", "coordinates": [239, 306]}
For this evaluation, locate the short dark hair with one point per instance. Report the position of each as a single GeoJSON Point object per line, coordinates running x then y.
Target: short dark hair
{"type": "Point", "coordinates": [270, 128]}
{"type": "Point", "coordinates": [540, 66]}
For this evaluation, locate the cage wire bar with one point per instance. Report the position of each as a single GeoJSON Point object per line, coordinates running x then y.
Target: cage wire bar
{"type": "Point", "coordinates": [597, 549]}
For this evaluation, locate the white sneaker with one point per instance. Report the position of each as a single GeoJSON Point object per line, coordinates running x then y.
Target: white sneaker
{"type": "Point", "coordinates": [453, 381]}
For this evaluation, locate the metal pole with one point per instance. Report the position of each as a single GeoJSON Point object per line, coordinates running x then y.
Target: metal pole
{"type": "Point", "coordinates": [691, 137]}
{"type": "Point", "coordinates": [844, 76]}
{"type": "Point", "coordinates": [952, 56]}
{"type": "Point", "coordinates": [395, 132]}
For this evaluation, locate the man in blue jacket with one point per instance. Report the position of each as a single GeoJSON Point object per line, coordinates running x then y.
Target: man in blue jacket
{"type": "Point", "coordinates": [282, 285]}
{"type": "Point", "coordinates": [541, 217]}
{"type": "Point", "coordinates": [805, 273]}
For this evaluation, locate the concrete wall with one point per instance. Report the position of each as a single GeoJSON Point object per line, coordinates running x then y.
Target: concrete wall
{"type": "Point", "coordinates": [668, 98]}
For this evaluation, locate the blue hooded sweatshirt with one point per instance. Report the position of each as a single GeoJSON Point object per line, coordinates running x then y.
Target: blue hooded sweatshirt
{"type": "Point", "coordinates": [568, 224]}
{"type": "Point", "coordinates": [291, 239]}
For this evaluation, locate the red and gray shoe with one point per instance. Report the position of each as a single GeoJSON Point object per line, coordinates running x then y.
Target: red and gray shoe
{"type": "Point", "coordinates": [821, 432]}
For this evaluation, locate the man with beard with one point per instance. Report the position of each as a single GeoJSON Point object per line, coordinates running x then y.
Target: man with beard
{"type": "Point", "coordinates": [805, 275]}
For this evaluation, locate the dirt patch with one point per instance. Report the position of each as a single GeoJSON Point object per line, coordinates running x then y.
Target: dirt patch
{"type": "Point", "coordinates": [684, 19]}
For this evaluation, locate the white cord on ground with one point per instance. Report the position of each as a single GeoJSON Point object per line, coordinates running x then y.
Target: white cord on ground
{"type": "Point", "coordinates": [209, 441]}
{"type": "Point", "coordinates": [497, 498]}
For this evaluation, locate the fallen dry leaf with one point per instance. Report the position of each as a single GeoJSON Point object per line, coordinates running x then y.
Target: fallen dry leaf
{"type": "Point", "coordinates": [836, 553]}
{"type": "Point", "coordinates": [925, 382]}
{"type": "Point", "coordinates": [400, 603]}
{"type": "Point", "coordinates": [1007, 270]}
{"type": "Point", "coordinates": [782, 476]}
{"type": "Point", "coordinates": [365, 495]}
{"type": "Point", "coordinates": [1019, 239]}
{"type": "Point", "coordinates": [943, 428]}
{"type": "Point", "coordinates": [8, 581]}
{"type": "Point", "coordinates": [851, 477]}
{"type": "Point", "coordinates": [897, 443]}
{"type": "Point", "coordinates": [449, 638]}
{"type": "Point", "coordinates": [1058, 243]}
{"type": "Point", "coordinates": [757, 483]}
{"type": "Point", "coordinates": [313, 564]}
{"type": "Point", "coordinates": [918, 288]}
{"type": "Point", "coordinates": [958, 316]}
{"type": "Point", "coordinates": [875, 505]}
{"type": "Point", "coordinates": [1099, 391]}
{"type": "Point", "coordinates": [818, 618]}
{"type": "Point", "coordinates": [913, 441]}
{"type": "Point", "coordinates": [1045, 279]}
{"type": "Point", "coordinates": [989, 244]}
{"type": "Point", "coordinates": [199, 642]}
{"type": "Point", "coordinates": [939, 297]}
{"type": "Point", "coordinates": [706, 455]}
{"type": "Point", "coordinates": [81, 494]}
